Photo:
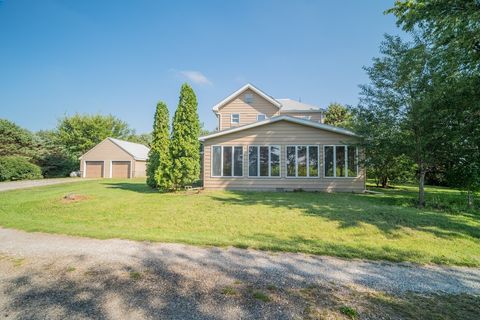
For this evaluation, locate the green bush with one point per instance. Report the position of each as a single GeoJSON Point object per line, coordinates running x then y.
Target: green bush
{"type": "Point", "coordinates": [18, 168]}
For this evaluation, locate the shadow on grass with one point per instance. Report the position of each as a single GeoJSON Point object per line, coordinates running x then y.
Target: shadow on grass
{"type": "Point", "coordinates": [351, 210]}
{"type": "Point", "coordinates": [135, 186]}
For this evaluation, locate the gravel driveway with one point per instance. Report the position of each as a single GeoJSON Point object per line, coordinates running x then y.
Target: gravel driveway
{"type": "Point", "coordinates": [13, 185]}
{"type": "Point", "coordinates": [66, 276]}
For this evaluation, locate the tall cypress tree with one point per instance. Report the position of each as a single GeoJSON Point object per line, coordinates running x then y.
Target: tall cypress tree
{"type": "Point", "coordinates": [159, 162]}
{"type": "Point", "coordinates": [185, 147]}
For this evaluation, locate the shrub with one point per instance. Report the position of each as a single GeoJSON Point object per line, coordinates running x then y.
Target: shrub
{"type": "Point", "coordinates": [18, 168]}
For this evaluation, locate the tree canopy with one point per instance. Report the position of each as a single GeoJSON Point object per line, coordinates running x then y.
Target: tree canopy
{"type": "Point", "coordinates": [81, 132]}
{"type": "Point", "coordinates": [16, 141]}
{"type": "Point", "coordinates": [338, 115]}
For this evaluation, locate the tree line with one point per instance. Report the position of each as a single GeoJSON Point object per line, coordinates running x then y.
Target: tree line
{"type": "Point", "coordinates": [419, 114]}
{"type": "Point", "coordinates": [54, 153]}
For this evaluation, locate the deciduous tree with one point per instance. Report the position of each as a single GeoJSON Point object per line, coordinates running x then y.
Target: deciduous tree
{"type": "Point", "coordinates": [81, 132]}
{"type": "Point", "coordinates": [338, 115]}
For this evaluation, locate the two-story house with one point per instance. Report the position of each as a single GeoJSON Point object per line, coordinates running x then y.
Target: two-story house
{"type": "Point", "coordinates": [264, 143]}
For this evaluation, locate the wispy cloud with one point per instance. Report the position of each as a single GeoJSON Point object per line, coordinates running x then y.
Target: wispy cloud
{"type": "Point", "coordinates": [195, 76]}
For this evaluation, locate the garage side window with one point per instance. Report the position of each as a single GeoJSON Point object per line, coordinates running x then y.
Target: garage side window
{"type": "Point", "coordinates": [341, 161]}
{"type": "Point", "coordinates": [227, 161]}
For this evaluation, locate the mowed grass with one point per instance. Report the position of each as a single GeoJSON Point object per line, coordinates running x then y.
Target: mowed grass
{"type": "Point", "coordinates": [380, 227]}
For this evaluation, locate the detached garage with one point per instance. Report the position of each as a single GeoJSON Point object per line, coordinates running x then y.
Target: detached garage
{"type": "Point", "coordinates": [113, 158]}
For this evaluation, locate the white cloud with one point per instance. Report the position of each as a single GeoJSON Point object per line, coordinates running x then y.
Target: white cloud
{"type": "Point", "coordinates": [196, 77]}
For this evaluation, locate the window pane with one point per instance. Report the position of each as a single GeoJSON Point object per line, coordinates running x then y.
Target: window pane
{"type": "Point", "coordinates": [328, 161]}
{"type": "Point", "coordinates": [252, 161]}
{"type": "Point", "coordinates": [302, 161]}
{"type": "Point", "coordinates": [352, 162]}
{"type": "Point", "coordinates": [238, 161]}
{"type": "Point", "coordinates": [291, 161]}
{"type": "Point", "coordinates": [217, 161]}
{"type": "Point", "coordinates": [264, 161]}
{"type": "Point", "coordinates": [340, 161]}
{"type": "Point", "coordinates": [275, 161]}
{"type": "Point", "coordinates": [313, 161]}
{"type": "Point", "coordinates": [227, 161]}
{"type": "Point", "coordinates": [235, 118]}
{"type": "Point", "coordinates": [261, 117]}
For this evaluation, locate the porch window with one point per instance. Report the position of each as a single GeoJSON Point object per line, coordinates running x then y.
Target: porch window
{"type": "Point", "coordinates": [227, 161]}
{"type": "Point", "coordinates": [302, 161]}
{"type": "Point", "coordinates": [341, 161]}
{"type": "Point", "coordinates": [264, 161]}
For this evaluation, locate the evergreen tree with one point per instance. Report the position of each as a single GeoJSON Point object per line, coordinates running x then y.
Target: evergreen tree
{"type": "Point", "coordinates": [185, 147]}
{"type": "Point", "coordinates": [159, 162]}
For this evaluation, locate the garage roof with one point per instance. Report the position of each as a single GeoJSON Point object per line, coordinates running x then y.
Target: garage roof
{"type": "Point", "coordinates": [136, 150]}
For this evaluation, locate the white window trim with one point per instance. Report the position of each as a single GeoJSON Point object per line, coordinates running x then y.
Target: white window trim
{"type": "Point", "coordinates": [231, 118]}
{"type": "Point", "coordinates": [262, 114]}
{"type": "Point", "coordinates": [335, 161]}
{"type": "Point", "coordinates": [221, 161]}
{"type": "Point", "coordinates": [269, 161]}
{"type": "Point", "coordinates": [308, 161]}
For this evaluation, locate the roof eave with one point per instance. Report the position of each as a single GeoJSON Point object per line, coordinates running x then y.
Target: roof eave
{"type": "Point", "coordinates": [242, 89]}
{"type": "Point", "coordinates": [279, 118]}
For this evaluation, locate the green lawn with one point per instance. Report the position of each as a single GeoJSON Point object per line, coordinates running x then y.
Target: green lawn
{"type": "Point", "coordinates": [383, 226]}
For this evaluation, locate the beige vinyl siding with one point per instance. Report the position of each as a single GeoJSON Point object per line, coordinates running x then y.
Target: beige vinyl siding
{"type": "Point", "coordinates": [315, 116]}
{"type": "Point", "coordinates": [106, 151]}
{"type": "Point", "coordinates": [280, 133]}
{"type": "Point", "coordinates": [140, 169]}
{"type": "Point", "coordinates": [248, 112]}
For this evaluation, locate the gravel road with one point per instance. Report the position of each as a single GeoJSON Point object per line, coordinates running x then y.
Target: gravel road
{"type": "Point", "coordinates": [13, 185]}
{"type": "Point", "coordinates": [67, 276]}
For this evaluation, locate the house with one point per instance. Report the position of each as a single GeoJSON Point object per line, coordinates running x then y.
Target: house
{"type": "Point", "coordinates": [278, 144]}
{"type": "Point", "coordinates": [114, 158]}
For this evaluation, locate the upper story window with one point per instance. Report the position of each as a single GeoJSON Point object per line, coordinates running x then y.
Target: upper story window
{"type": "Point", "coordinates": [306, 117]}
{"type": "Point", "coordinates": [261, 117]}
{"type": "Point", "coordinates": [235, 118]}
{"type": "Point", "coordinates": [341, 161]}
{"type": "Point", "coordinates": [248, 98]}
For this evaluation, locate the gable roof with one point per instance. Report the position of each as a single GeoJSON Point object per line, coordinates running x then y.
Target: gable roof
{"type": "Point", "coordinates": [242, 89]}
{"type": "Point", "coordinates": [290, 105]}
{"type": "Point", "coordinates": [304, 122]}
{"type": "Point", "coordinates": [136, 150]}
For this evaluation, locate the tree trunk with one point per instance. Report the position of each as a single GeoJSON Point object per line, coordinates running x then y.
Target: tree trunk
{"type": "Point", "coordinates": [421, 188]}
{"type": "Point", "coordinates": [470, 199]}
{"type": "Point", "coordinates": [384, 182]}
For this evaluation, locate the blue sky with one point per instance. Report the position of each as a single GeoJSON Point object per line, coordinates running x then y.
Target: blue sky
{"type": "Point", "coordinates": [121, 57]}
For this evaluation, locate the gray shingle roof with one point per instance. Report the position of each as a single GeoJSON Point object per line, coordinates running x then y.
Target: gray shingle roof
{"type": "Point", "coordinates": [293, 105]}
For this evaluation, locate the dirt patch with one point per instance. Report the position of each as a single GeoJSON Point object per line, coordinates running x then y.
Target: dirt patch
{"type": "Point", "coordinates": [74, 197]}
